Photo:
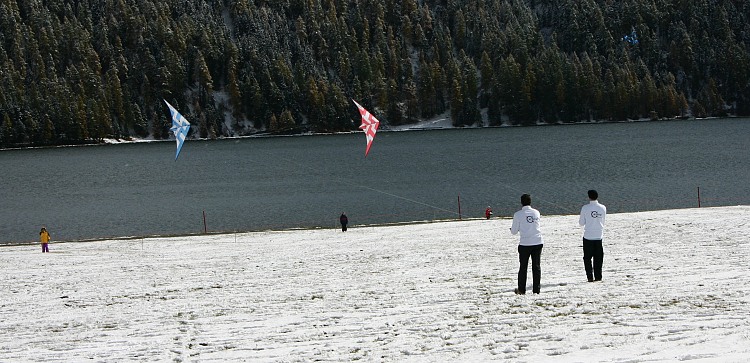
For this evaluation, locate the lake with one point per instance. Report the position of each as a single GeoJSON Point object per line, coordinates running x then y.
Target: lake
{"type": "Point", "coordinates": [138, 189]}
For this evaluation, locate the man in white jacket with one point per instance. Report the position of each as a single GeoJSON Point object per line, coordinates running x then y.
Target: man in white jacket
{"type": "Point", "coordinates": [526, 221]}
{"type": "Point", "coordinates": [592, 220]}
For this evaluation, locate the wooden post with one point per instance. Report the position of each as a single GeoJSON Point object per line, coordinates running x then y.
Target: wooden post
{"type": "Point", "coordinates": [699, 197]}
{"type": "Point", "coordinates": [205, 229]}
{"type": "Point", "coordinates": [459, 206]}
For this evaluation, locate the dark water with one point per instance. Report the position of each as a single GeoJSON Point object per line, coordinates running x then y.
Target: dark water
{"type": "Point", "coordinates": [287, 182]}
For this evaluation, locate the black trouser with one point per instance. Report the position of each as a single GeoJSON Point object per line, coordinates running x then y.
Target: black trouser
{"type": "Point", "coordinates": [524, 252]}
{"type": "Point", "coordinates": [593, 249]}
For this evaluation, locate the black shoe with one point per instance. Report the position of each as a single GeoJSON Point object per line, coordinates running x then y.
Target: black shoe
{"type": "Point", "coordinates": [519, 292]}
{"type": "Point", "coordinates": [598, 279]}
{"type": "Point", "coordinates": [591, 280]}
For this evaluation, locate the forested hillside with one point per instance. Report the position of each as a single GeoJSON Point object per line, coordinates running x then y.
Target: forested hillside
{"type": "Point", "coordinates": [80, 71]}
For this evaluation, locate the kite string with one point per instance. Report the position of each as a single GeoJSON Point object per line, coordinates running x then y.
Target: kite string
{"type": "Point", "coordinates": [481, 176]}
{"type": "Point", "coordinates": [452, 212]}
{"type": "Point", "coordinates": [343, 181]}
{"type": "Point", "coordinates": [310, 170]}
{"type": "Point", "coordinates": [402, 198]}
{"type": "Point", "coordinates": [543, 201]}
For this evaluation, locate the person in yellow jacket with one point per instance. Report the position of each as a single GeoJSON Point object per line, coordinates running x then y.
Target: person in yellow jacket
{"type": "Point", "coordinates": [44, 237]}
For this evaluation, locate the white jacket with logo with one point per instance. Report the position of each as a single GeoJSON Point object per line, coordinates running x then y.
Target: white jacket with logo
{"type": "Point", "coordinates": [526, 221]}
{"type": "Point", "coordinates": [592, 220]}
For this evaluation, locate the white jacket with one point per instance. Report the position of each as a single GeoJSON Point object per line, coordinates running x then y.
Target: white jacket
{"type": "Point", "coordinates": [526, 221]}
{"type": "Point", "coordinates": [592, 220]}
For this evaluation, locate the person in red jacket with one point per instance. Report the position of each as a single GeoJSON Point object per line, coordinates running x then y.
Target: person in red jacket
{"type": "Point", "coordinates": [488, 212]}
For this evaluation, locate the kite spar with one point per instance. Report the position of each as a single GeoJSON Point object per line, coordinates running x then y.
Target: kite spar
{"type": "Point", "coordinates": [369, 125]}
{"type": "Point", "coordinates": [180, 127]}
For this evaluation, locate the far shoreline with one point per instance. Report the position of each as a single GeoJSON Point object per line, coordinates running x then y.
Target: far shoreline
{"type": "Point", "coordinates": [417, 127]}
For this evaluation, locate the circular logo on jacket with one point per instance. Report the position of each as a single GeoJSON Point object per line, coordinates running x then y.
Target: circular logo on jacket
{"type": "Point", "coordinates": [595, 214]}
{"type": "Point", "coordinates": [530, 219]}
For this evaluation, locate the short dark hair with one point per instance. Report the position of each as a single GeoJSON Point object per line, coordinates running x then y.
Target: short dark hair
{"type": "Point", "coordinates": [593, 195]}
{"type": "Point", "coordinates": [525, 200]}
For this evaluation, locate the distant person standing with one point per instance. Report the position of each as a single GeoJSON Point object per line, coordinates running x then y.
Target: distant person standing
{"type": "Point", "coordinates": [344, 221]}
{"type": "Point", "coordinates": [592, 220]}
{"type": "Point", "coordinates": [44, 238]}
{"type": "Point", "coordinates": [488, 212]}
{"type": "Point", "coordinates": [526, 221]}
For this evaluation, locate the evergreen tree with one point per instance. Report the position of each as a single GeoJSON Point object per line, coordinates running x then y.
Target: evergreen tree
{"type": "Point", "coordinates": [73, 72]}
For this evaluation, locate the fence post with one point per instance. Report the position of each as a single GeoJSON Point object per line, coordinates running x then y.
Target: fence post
{"type": "Point", "coordinates": [459, 206]}
{"type": "Point", "coordinates": [699, 197]}
{"type": "Point", "coordinates": [205, 229]}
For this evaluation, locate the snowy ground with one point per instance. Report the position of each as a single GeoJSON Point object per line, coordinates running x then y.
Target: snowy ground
{"type": "Point", "coordinates": [676, 288]}
{"type": "Point", "coordinates": [438, 122]}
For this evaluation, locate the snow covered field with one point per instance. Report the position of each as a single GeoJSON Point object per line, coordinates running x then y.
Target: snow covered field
{"type": "Point", "coordinates": [676, 288]}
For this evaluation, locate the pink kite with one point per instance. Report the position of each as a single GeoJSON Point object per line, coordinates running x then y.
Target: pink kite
{"type": "Point", "coordinates": [369, 124]}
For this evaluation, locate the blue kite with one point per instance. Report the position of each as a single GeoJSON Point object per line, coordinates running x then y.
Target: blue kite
{"type": "Point", "coordinates": [180, 128]}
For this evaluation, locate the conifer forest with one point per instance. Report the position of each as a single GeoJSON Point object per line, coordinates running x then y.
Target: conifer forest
{"type": "Point", "coordinates": [81, 71]}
